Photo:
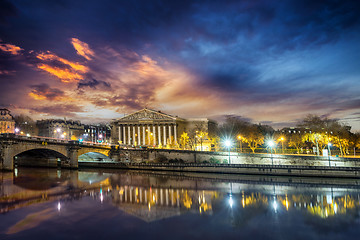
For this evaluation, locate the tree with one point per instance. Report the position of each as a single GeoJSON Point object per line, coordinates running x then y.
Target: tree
{"type": "Point", "coordinates": [253, 136]}
{"type": "Point", "coordinates": [184, 140]}
{"type": "Point", "coordinates": [295, 140]}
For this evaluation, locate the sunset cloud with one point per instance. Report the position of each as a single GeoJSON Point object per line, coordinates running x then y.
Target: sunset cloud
{"type": "Point", "coordinates": [82, 49]}
{"type": "Point", "coordinates": [44, 92]}
{"type": "Point", "coordinates": [64, 74]}
{"type": "Point", "coordinates": [10, 48]}
{"type": "Point", "coordinates": [48, 56]}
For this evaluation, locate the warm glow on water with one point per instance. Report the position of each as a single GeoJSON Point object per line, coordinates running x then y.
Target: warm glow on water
{"type": "Point", "coordinates": [82, 204]}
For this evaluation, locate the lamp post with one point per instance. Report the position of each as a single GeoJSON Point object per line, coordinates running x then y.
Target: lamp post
{"type": "Point", "coordinates": [329, 145]}
{"type": "Point", "coordinates": [228, 145]}
{"type": "Point", "coordinates": [271, 144]}
{"type": "Point", "coordinates": [240, 142]}
{"type": "Point", "coordinates": [282, 144]}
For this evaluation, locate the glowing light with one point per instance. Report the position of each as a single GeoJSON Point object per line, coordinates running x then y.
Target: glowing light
{"type": "Point", "coordinates": [227, 143]}
{"type": "Point", "coordinates": [59, 206]}
{"type": "Point", "coordinates": [231, 201]}
{"type": "Point", "coordinates": [271, 143]}
{"type": "Point", "coordinates": [17, 130]}
{"type": "Point", "coordinates": [275, 206]}
{"type": "Point", "coordinates": [58, 130]}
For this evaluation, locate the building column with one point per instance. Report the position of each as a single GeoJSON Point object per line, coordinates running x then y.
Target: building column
{"type": "Point", "coordinates": [159, 135]}
{"type": "Point", "coordinates": [175, 133]}
{"type": "Point", "coordinates": [170, 134]}
{"type": "Point", "coordinates": [124, 134]}
{"type": "Point", "coordinates": [164, 134]}
{"type": "Point", "coordinates": [119, 134]}
{"type": "Point", "coordinates": [154, 134]}
{"type": "Point", "coordinates": [143, 135]}
{"type": "Point", "coordinates": [129, 136]}
{"type": "Point", "coordinates": [148, 128]}
{"type": "Point", "coordinates": [134, 139]}
{"type": "Point", "coordinates": [138, 132]}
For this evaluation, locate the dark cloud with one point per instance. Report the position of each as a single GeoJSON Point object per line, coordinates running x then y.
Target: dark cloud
{"type": "Point", "coordinates": [94, 84]}
{"type": "Point", "coordinates": [7, 9]}
{"type": "Point", "coordinates": [246, 53]}
{"type": "Point", "coordinates": [59, 110]}
{"type": "Point", "coordinates": [43, 91]}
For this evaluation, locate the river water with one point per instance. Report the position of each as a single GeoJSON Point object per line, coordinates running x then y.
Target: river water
{"type": "Point", "coordinates": [113, 204]}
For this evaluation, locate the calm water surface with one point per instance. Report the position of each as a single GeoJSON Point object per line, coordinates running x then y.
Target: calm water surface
{"type": "Point", "coordinates": [94, 204]}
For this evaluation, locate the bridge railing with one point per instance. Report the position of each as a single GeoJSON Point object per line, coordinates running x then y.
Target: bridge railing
{"type": "Point", "coordinates": [49, 139]}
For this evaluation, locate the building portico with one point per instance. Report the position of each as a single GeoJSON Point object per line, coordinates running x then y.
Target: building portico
{"type": "Point", "coordinates": [148, 128]}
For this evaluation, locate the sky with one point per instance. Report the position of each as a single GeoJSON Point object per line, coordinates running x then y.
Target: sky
{"type": "Point", "coordinates": [272, 62]}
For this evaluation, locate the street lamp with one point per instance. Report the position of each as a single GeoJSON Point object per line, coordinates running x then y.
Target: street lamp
{"type": "Point", "coordinates": [228, 145]}
{"type": "Point", "coordinates": [271, 144]}
{"type": "Point", "coordinates": [240, 141]}
{"type": "Point", "coordinates": [282, 144]}
{"type": "Point", "coordinates": [17, 130]}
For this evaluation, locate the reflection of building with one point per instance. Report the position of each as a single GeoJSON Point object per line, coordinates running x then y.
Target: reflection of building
{"type": "Point", "coordinates": [151, 204]}
{"type": "Point", "coordinates": [153, 128]}
{"type": "Point", "coordinates": [58, 128]}
{"type": "Point", "coordinates": [7, 123]}
{"type": "Point", "coordinates": [97, 133]}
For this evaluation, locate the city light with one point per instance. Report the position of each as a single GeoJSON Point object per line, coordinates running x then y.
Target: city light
{"type": "Point", "coordinates": [271, 143]}
{"type": "Point", "coordinates": [17, 130]}
{"type": "Point", "coordinates": [227, 143]}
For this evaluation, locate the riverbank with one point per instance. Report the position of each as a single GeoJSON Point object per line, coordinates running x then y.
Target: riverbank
{"type": "Point", "coordinates": [248, 169]}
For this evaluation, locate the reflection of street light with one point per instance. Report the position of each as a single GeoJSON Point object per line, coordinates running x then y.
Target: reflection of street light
{"type": "Point", "coordinates": [228, 145]}
{"type": "Point", "coordinates": [240, 141]}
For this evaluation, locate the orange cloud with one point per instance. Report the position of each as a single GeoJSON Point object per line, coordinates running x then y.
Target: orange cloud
{"type": "Point", "coordinates": [14, 50]}
{"type": "Point", "coordinates": [37, 96]}
{"type": "Point", "coordinates": [48, 56]}
{"type": "Point", "coordinates": [64, 74]}
{"type": "Point", "coordinates": [82, 48]}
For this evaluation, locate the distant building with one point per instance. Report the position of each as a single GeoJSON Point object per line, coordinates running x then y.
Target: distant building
{"type": "Point", "coordinates": [7, 122]}
{"type": "Point", "coordinates": [60, 128]}
{"type": "Point", "coordinates": [157, 129]}
{"type": "Point", "coordinates": [97, 133]}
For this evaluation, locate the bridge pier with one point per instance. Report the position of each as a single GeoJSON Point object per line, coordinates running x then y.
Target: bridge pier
{"type": "Point", "coordinates": [7, 155]}
{"type": "Point", "coordinates": [72, 154]}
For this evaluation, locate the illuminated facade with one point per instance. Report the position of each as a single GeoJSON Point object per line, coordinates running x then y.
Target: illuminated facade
{"type": "Point", "coordinates": [59, 128]}
{"type": "Point", "coordinates": [153, 128]}
{"type": "Point", "coordinates": [7, 122]}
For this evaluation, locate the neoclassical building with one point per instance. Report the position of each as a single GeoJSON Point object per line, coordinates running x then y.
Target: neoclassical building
{"type": "Point", "coordinates": [148, 127]}
{"type": "Point", "coordinates": [7, 122]}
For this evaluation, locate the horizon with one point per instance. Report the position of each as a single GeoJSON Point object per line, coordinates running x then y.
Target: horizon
{"type": "Point", "coordinates": [265, 62]}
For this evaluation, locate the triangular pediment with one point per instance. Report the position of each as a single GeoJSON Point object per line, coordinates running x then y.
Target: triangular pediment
{"type": "Point", "coordinates": [147, 114]}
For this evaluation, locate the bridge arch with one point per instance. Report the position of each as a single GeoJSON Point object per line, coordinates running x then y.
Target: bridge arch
{"type": "Point", "coordinates": [93, 156]}
{"type": "Point", "coordinates": [44, 157]}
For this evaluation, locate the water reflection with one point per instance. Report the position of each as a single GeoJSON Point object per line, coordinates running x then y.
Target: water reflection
{"type": "Point", "coordinates": [153, 197]}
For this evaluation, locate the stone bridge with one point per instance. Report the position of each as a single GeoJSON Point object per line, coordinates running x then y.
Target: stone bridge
{"type": "Point", "coordinates": [12, 145]}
